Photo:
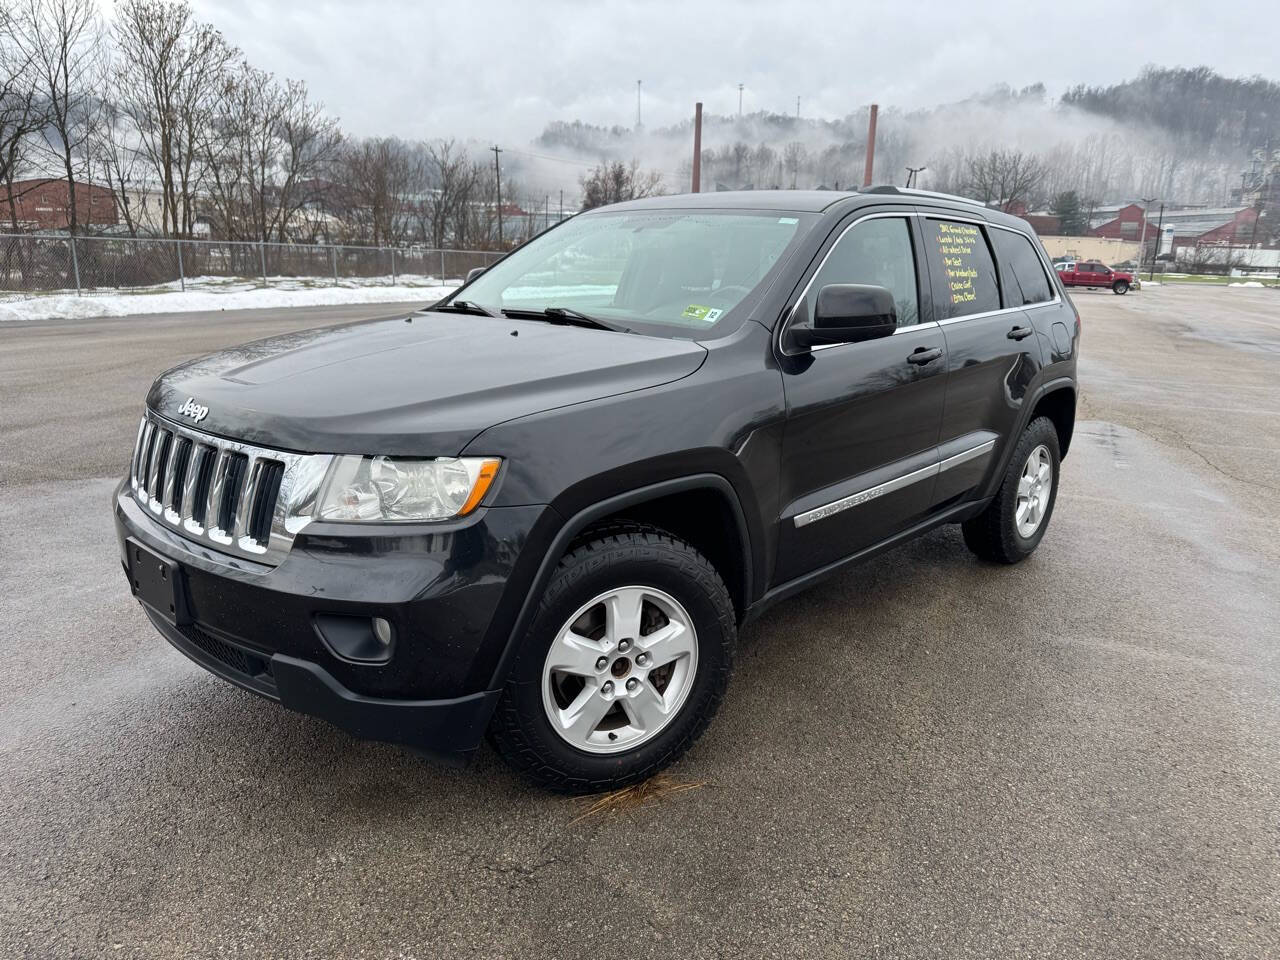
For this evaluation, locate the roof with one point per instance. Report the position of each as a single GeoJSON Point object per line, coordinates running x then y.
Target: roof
{"type": "Point", "coordinates": [809, 201]}
{"type": "Point", "coordinates": [1226, 213]}
{"type": "Point", "coordinates": [803, 201]}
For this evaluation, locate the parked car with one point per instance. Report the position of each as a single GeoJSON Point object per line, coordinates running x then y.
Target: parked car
{"type": "Point", "coordinates": [543, 507]}
{"type": "Point", "coordinates": [1091, 273]}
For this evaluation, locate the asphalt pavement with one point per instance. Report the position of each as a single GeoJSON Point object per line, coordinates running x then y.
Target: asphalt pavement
{"type": "Point", "coordinates": [925, 757]}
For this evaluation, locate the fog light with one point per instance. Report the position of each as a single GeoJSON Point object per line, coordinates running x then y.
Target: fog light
{"type": "Point", "coordinates": [362, 639]}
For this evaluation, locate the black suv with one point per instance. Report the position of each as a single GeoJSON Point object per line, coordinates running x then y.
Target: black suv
{"type": "Point", "coordinates": [542, 508]}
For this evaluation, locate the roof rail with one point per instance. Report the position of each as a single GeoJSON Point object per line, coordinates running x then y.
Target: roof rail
{"type": "Point", "coordinates": [913, 192]}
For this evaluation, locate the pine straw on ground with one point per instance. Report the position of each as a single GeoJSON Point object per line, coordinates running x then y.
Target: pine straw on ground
{"type": "Point", "coordinates": [646, 794]}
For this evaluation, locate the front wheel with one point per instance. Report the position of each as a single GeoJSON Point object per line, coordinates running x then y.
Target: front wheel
{"type": "Point", "coordinates": [1120, 287]}
{"type": "Point", "coordinates": [623, 666]}
{"type": "Point", "coordinates": [1014, 523]}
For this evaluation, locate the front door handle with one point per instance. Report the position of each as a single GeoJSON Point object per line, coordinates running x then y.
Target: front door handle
{"type": "Point", "coordinates": [924, 355]}
{"type": "Point", "coordinates": [1019, 333]}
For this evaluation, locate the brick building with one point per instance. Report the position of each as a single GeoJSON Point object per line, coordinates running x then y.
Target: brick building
{"type": "Point", "coordinates": [1236, 226]}
{"type": "Point", "coordinates": [43, 204]}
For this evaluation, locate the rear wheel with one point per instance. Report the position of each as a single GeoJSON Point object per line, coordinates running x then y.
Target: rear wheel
{"type": "Point", "coordinates": [1014, 523]}
{"type": "Point", "coordinates": [1121, 287]}
{"type": "Point", "coordinates": [623, 666]}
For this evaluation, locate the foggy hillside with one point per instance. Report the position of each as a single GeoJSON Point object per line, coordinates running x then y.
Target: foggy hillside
{"type": "Point", "coordinates": [1180, 134]}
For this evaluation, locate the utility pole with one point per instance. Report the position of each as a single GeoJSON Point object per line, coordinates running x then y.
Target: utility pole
{"type": "Point", "coordinates": [797, 108]}
{"type": "Point", "coordinates": [561, 204]}
{"type": "Point", "coordinates": [1142, 243]}
{"type": "Point", "coordinates": [739, 101]}
{"type": "Point", "coordinates": [871, 145]}
{"type": "Point", "coordinates": [1159, 234]}
{"type": "Point", "coordinates": [638, 83]}
{"type": "Point", "coordinates": [497, 170]}
{"type": "Point", "coordinates": [912, 173]}
{"type": "Point", "coordinates": [697, 147]}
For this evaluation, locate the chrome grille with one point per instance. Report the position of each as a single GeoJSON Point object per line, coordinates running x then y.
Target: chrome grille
{"type": "Point", "coordinates": [234, 497]}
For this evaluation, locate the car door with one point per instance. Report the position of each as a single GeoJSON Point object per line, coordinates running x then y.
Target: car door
{"type": "Point", "coordinates": [993, 350]}
{"type": "Point", "coordinates": [860, 443]}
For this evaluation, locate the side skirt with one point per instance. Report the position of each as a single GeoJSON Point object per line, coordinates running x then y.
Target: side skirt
{"type": "Point", "coordinates": [782, 591]}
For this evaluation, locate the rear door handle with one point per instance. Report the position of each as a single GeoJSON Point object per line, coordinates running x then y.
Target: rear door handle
{"type": "Point", "coordinates": [924, 355]}
{"type": "Point", "coordinates": [1019, 333]}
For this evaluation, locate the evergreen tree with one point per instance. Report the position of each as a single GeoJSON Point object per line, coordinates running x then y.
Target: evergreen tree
{"type": "Point", "coordinates": [1070, 212]}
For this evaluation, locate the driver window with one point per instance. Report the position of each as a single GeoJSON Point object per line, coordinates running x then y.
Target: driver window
{"type": "Point", "coordinates": [876, 252]}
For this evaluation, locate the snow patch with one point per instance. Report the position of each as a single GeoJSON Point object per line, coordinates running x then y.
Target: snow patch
{"type": "Point", "coordinates": [220, 293]}
{"type": "Point", "coordinates": [1248, 283]}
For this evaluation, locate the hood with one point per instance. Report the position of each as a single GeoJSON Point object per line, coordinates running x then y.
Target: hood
{"type": "Point", "coordinates": [422, 385]}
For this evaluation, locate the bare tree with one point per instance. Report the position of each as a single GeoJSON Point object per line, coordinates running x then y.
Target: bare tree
{"type": "Point", "coordinates": [377, 177]}
{"type": "Point", "coordinates": [616, 182]}
{"type": "Point", "coordinates": [452, 186]}
{"type": "Point", "coordinates": [63, 39]}
{"type": "Point", "coordinates": [171, 72]}
{"type": "Point", "coordinates": [1211, 258]}
{"type": "Point", "coordinates": [1005, 177]}
{"type": "Point", "coordinates": [113, 149]}
{"type": "Point", "coordinates": [269, 147]}
{"type": "Point", "coordinates": [21, 112]}
{"type": "Point", "coordinates": [309, 144]}
{"type": "Point", "coordinates": [794, 157]}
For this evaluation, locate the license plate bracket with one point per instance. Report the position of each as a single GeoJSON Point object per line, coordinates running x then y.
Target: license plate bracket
{"type": "Point", "coordinates": [157, 582]}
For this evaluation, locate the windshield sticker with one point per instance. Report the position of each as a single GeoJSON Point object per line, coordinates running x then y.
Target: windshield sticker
{"type": "Point", "coordinates": [788, 219]}
{"type": "Point", "coordinates": [697, 312]}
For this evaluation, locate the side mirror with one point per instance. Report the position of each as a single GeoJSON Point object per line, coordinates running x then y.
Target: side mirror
{"type": "Point", "coordinates": [848, 313]}
{"type": "Point", "coordinates": [475, 272]}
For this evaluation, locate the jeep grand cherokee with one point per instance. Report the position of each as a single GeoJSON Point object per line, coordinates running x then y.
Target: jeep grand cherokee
{"type": "Point", "coordinates": [542, 508]}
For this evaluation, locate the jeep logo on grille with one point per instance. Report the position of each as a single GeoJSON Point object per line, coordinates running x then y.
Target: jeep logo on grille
{"type": "Point", "coordinates": [196, 411]}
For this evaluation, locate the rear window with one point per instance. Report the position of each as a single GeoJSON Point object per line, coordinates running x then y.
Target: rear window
{"type": "Point", "coordinates": [965, 272]}
{"type": "Point", "coordinates": [1025, 281]}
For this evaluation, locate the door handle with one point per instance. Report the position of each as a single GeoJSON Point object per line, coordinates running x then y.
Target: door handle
{"type": "Point", "coordinates": [924, 355]}
{"type": "Point", "coordinates": [1019, 333]}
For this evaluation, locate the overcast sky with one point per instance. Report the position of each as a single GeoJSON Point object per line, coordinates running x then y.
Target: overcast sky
{"type": "Point", "coordinates": [501, 71]}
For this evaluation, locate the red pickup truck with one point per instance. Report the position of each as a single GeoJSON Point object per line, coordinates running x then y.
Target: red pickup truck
{"type": "Point", "coordinates": [1091, 273]}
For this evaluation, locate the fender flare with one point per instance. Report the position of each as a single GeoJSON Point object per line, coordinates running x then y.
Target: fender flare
{"type": "Point", "coordinates": [1028, 408]}
{"type": "Point", "coordinates": [603, 508]}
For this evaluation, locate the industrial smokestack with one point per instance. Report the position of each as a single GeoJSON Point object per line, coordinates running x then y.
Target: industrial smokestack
{"type": "Point", "coordinates": [697, 147]}
{"type": "Point", "coordinates": [871, 145]}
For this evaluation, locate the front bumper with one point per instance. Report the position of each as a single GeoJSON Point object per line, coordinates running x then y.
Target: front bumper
{"type": "Point", "coordinates": [447, 591]}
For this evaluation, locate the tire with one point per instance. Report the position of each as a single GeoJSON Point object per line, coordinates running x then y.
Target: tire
{"type": "Point", "coordinates": [653, 713]}
{"type": "Point", "coordinates": [1120, 287]}
{"type": "Point", "coordinates": [1000, 533]}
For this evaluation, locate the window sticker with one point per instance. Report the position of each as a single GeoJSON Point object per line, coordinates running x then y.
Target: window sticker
{"type": "Point", "coordinates": [788, 219]}
{"type": "Point", "coordinates": [698, 312]}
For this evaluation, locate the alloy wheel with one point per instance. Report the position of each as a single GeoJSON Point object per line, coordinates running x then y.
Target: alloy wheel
{"type": "Point", "coordinates": [619, 670]}
{"type": "Point", "coordinates": [1035, 487]}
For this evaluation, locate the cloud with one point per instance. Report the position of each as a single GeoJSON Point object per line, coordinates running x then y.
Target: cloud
{"type": "Point", "coordinates": [503, 70]}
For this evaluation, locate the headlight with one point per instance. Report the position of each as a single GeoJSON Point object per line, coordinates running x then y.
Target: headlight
{"type": "Point", "coordinates": [402, 488]}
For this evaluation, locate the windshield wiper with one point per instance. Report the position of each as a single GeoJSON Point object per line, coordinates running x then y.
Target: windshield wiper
{"type": "Point", "coordinates": [563, 315]}
{"type": "Point", "coordinates": [464, 306]}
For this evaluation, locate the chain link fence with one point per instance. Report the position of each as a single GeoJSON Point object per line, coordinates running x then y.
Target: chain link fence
{"type": "Point", "coordinates": [32, 265]}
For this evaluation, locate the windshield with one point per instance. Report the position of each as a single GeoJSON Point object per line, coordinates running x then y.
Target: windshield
{"type": "Point", "coordinates": [680, 270]}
